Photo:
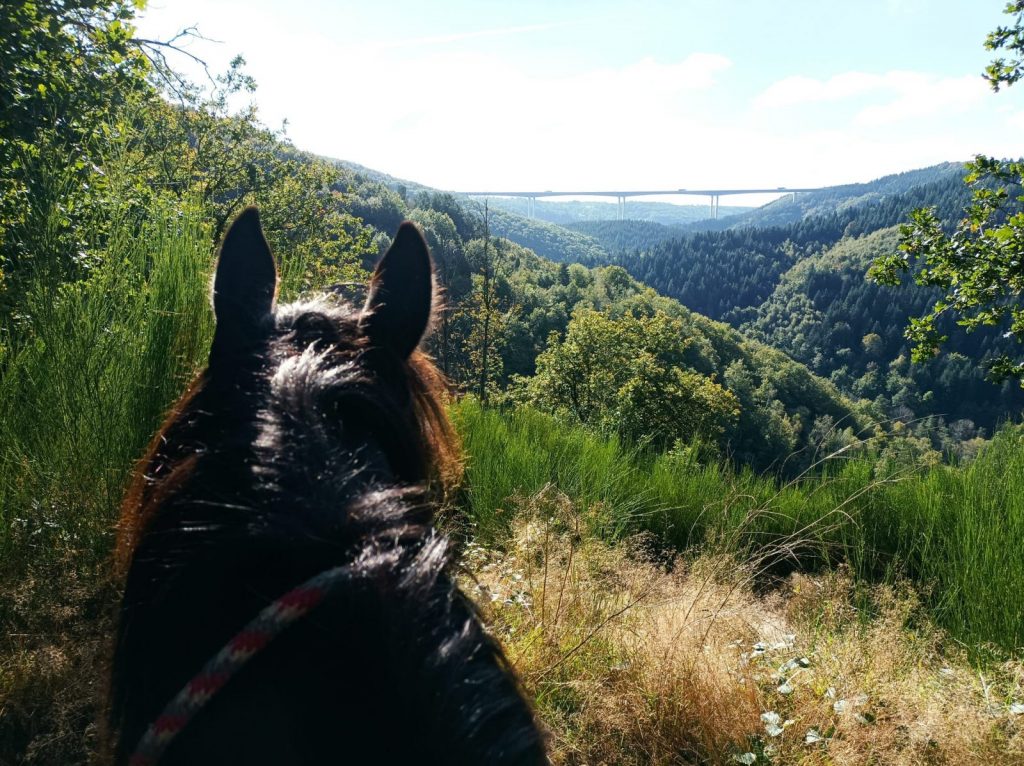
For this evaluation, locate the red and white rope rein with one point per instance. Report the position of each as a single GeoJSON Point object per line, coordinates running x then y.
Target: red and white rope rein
{"type": "Point", "coordinates": [266, 626]}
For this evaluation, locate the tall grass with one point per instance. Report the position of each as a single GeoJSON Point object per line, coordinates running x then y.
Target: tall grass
{"type": "Point", "coordinates": [685, 500]}
{"type": "Point", "coordinates": [91, 367]}
{"type": "Point", "coordinates": [632, 662]}
{"type": "Point", "coordinates": [960, 530]}
{"type": "Point", "coordinates": [957, 531]}
{"type": "Point", "coordinates": [88, 369]}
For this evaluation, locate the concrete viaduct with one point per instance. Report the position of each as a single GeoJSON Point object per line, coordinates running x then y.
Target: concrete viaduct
{"type": "Point", "coordinates": [622, 196]}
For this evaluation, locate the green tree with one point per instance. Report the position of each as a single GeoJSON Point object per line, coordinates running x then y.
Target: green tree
{"type": "Point", "coordinates": [65, 67]}
{"type": "Point", "coordinates": [979, 266]}
{"type": "Point", "coordinates": [97, 131]}
{"type": "Point", "coordinates": [486, 315]}
{"type": "Point", "coordinates": [626, 375]}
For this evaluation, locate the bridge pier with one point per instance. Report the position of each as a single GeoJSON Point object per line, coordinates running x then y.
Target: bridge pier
{"type": "Point", "coordinates": [714, 206]}
{"type": "Point", "coordinates": [622, 207]}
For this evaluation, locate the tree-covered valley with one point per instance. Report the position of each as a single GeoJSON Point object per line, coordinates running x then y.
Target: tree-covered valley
{"type": "Point", "coordinates": [794, 275]}
{"type": "Point", "coordinates": [712, 497]}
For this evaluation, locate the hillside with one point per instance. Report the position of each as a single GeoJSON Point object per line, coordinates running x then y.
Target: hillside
{"type": "Point", "coordinates": [798, 287]}
{"type": "Point", "coordinates": [801, 288]}
{"type": "Point", "coordinates": [825, 313]}
{"type": "Point", "coordinates": [793, 208]}
{"type": "Point", "coordinates": [722, 273]}
{"type": "Point", "coordinates": [566, 212]}
{"type": "Point", "coordinates": [556, 243]}
{"type": "Point", "coordinates": [621, 236]}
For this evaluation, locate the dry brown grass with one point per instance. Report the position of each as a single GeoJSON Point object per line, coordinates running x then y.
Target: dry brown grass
{"type": "Point", "coordinates": [638, 661]}
{"type": "Point", "coordinates": [53, 650]}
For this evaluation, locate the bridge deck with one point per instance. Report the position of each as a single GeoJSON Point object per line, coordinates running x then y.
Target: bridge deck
{"type": "Point", "coordinates": [637, 193]}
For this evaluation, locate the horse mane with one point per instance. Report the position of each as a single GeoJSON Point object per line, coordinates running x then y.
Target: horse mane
{"type": "Point", "coordinates": [161, 471]}
{"type": "Point", "coordinates": [317, 438]}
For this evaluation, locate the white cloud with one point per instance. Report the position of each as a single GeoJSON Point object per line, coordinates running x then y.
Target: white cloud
{"type": "Point", "coordinates": [897, 95]}
{"type": "Point", "coordinates": [919, 95]}
{"type": "Point", "coordinates": [803, 90]}
{"type": "Point", "coordinates": [466, 114]}
{"type": "Point", "coordinates": [461, 120]}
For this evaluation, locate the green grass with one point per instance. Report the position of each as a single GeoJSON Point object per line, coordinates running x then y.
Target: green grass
{"type": "Point", "coordinates": [87, 372]}
{"type": "Point", "coordinates": [90, 370]}
{"type": "Point", "coordinates": [957, 531]}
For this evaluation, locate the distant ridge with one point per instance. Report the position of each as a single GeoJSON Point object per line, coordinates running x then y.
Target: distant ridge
{"type": "Point", "coordinates": [832, 199]}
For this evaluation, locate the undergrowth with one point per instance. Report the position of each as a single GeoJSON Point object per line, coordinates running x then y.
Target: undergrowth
{"type": "Point", "coordinates": [634, 660]}
{"type": "Point", "coordinates": [956, 531]}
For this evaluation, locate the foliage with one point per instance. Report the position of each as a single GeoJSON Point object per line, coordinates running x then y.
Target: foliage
{"type": "Point", "coordinates": [627, 376]}
{"type": "Point", "coordinates": [977, 268]}
{"type": "Point", "coordinates": [94, 119]}
{"type": "Point", "coordinates": [778, 399]}
{"type": "Point", "coordinates": [623, 236]}
{"type": "Point", "coordinates": [487, 315]}
{"type": "Point", "coordinates": [546, 239]}
{"type": "Point", "coordinates": [64, 68]}
{"type": "Point", "coordinates": [955, 529]}
{"type": "Point", "coordinates": [824, 314]}
{"type": "Point", "coordinates": [1004, 71]}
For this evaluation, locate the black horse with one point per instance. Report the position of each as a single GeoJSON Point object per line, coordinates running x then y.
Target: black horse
{"type": "Point", "coordinates": [286, 598]}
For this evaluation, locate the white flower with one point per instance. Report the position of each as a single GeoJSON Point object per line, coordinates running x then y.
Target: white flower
{"type": "Point", "coordinates": [773, 723]}
{"type": "Point", "coordinates": [844, 705]}
{"type": "Point", "coordinates": [813, 737]}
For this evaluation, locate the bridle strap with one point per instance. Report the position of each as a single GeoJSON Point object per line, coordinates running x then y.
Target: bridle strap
{"type": "Point", "coordinates": [260, 631]}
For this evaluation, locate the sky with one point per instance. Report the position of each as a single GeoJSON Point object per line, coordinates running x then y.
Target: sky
{"type": "Point", "coordinates": [566, 94]}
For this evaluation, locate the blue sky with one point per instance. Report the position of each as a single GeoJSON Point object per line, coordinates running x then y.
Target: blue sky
{"type": "Point", "coordinates": [554, 95]}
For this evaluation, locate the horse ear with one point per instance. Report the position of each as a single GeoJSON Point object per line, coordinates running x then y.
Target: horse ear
{"type": "Point", "coordinates": [400, 301]}
{"type": "Point", "coordinates": [244, 284]}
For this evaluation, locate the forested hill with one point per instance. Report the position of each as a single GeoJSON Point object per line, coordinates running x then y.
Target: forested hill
{"type": "Point", "coordinates": [824, 313]}
{"type": "Point", "coordinates": [802, 288]}
{"type": "Point", "coordinates": [790, 209]}
{"type": "Point", "coordinates": [568, 212]}
{"type": "Point", "coordinates": [556, 243]}
{"type": "Point", "coordinates": [798, 287]}
{"type": "Point", "coordinates": [621, 236]}
{"type": "Point", "coordinates": [724, 274]}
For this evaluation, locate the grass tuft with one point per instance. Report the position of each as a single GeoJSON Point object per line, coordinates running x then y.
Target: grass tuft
{"type": "Point", "coordinates": [635, 661]}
